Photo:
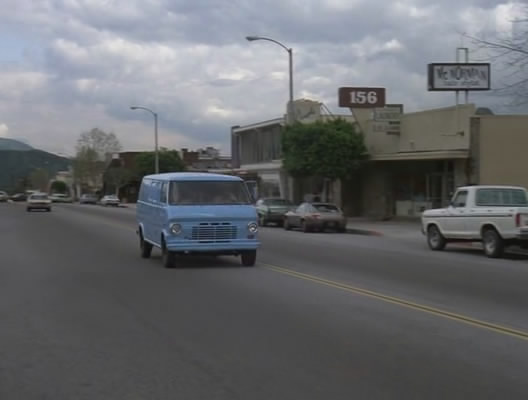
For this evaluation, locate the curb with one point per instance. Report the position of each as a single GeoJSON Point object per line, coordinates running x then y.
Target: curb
{"type": "Point", "coordinates": [364, 232]}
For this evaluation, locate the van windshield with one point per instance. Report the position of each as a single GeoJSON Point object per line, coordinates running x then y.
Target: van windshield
{"type": "Point", "coordinates": [208, 193]}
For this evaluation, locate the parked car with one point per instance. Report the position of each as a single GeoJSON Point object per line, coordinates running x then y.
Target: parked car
{"type": "Point", "coordinates": [110, 200]}
{"type": "Point", "coordinates": [3, 197]}
{"type": "Point", "coordinates": [315, 217]}
{"type": "Point", "coordinates": [19, 197]}
{"type": "Point", "coordinates": [60, 198]}
{"type": "Point", "coordinates": [38, 201]}
{"type": "Point", "coordinates": [497, 216]}
{"type": "Point", "coordinates": [272, 210]}
{"type": "Point", "coordinates": [88, 199]}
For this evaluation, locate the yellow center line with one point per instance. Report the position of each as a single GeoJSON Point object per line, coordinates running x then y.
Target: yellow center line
{"type": "Point", "coordinates": [501, 329]}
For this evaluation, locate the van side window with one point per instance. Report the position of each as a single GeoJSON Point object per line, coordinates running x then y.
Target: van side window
{"type": "Point", "coordinates": [163, 193]}
{"type": "Point", "coordinates": [143, 190]}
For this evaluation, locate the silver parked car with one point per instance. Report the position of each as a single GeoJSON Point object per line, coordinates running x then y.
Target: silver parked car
{"type": "Point", "coordinates": [110, 200]}
{"type": "Point", "coordinates": [88, 199]}
{"type": "Point", "coordinates": [3, 197]}
{"type": "Point", "coordinates": [316, 217]}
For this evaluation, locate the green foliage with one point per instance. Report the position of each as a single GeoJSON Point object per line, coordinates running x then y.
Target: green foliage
{"type": "Point", "coordinates": [39, 179]}
{"type": "Point", "coordinates": [169, 161]}
{"type": "Point", "coordinates": [331, 149]}
{"type": "Point", "coordinates": [59, 187]}
{"type": "Point", "coordinates": [16, 166]}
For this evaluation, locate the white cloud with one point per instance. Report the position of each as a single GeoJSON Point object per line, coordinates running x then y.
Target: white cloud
{"type": "Point", "coordinates": [3, 130]}
{"type": "Point", "coordinates": [86, 61]}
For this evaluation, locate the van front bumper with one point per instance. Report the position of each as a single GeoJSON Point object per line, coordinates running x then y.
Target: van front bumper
{"type": "Point", "coordinates": [221, 247]}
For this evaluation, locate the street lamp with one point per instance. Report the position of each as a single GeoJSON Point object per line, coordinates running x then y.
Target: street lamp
{"type": "Point", "coordinates": [156, 155]}
{"type": "Point", "coordinates": [290, 59]}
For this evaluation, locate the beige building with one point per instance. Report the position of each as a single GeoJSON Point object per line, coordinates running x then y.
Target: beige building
{"type": "Point", "coordinates": [415, 167]}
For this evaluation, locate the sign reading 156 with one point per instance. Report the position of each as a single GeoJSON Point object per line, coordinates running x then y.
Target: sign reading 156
{"type": "Point", "coordinates": [361, 97]}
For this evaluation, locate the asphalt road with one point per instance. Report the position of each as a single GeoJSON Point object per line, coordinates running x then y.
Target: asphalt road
{"type": "Point", "coordinates": [322, 316]}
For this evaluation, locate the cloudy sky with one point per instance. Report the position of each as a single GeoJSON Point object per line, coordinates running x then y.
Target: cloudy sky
{"type": "Point", "coordinates": [67, 66]}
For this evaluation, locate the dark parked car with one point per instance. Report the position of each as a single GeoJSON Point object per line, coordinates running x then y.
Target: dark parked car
{"type": "Point", "coordinates": [315, 217]}
{"type": "Point", "coordinates": [19, 197]}
{"type": "Point", "coordinates": [272, 210]}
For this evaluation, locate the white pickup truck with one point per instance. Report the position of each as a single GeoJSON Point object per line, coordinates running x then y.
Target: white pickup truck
{"type": "Point", "coordinates": [497, 216]}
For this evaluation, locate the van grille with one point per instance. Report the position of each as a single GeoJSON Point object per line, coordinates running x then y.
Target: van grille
{"type": "Point", "coordinates": [214, 232]}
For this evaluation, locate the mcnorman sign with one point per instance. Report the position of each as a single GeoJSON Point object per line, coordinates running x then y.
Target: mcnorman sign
{"type": "Point", "coordinates": [457, 76]}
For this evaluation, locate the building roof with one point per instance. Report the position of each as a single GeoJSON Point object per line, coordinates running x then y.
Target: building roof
{"type": "Point", "coordinates": [193, 176]}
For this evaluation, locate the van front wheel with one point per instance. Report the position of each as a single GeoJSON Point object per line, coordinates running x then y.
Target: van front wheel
{"type": "Point", "coordinates": [249, 258]}
{"type": "Point", "coordinates": [167, 257]}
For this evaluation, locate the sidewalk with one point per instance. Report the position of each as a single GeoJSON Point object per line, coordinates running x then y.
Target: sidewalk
{"type": "Point", "coordinates": [402, 228]}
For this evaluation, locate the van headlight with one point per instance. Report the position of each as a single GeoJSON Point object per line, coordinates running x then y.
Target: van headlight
{"type": "Point", "coordinates": [175, 229]}
{"type": "Point", "coordinates": [252, 227]}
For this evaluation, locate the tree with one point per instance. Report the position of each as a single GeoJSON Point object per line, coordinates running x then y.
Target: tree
{"type": "Point", "coordinates": [116, 177]}
{"type": "Point", "coordinates": [39, 179]}
{"type": "Point", "coordinates": [169, 161]}
{"type": "Point", "coordinates": [93, 149]}
{"type": "Point", "coordinates": [510, 52]}
{"type": "Point", "coordinates": [330, 149]}
{"type": "Point", "coordinates": [101, 142]}
{"type": "Point", "coordinates": [59, 187]}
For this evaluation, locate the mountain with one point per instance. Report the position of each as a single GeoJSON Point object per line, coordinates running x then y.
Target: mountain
{"type": "Point", "coordinates": [11, 144]}
{"type": "Point", "coordinates": [17, 164]}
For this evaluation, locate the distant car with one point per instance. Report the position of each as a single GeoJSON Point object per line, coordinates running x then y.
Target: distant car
{"type": "Point", "coordinates": [60, 198]}
{"type": "Point", "coordinates": [38, 201]}
{"type": "Point", "coordinates": [315, 217]}
{"type": "Point", "coordinates": [110, 200]}
{"type": "Point", "coordinates": [272, 209]}
{"type": "Point", "coordinates": [3, 197]}
{"type": "Point", "coordinates": [19, 197]}
{"type": "Point", "coordinates": [88, 199]}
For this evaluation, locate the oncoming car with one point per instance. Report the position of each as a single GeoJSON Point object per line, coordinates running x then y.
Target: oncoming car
{"type": "Point", "coordinates": [38, 201]}
{"type": "Point", "coordinates": [196, 213]}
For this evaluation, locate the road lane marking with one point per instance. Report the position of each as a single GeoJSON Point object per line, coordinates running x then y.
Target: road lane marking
{"type": "Point", "coordinates": [497, 328]}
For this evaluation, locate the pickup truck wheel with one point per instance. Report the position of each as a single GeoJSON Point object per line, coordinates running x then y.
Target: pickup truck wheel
{"type": "Point", "coordinates": [493, 243]}
{"type": "Point", "coordinates": [435, 239]}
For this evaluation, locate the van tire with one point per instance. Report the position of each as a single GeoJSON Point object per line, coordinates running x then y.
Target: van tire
{"type": "Point", "coordinates": [145, 247]}
{"type": "Point", "coordinates": [248, 258]}
{"type": "Point", "coordinates": [168, 258]}
{"type": "Point", "coordinates": [493, 243]}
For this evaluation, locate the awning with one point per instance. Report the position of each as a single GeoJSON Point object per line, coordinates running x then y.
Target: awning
{"type": "Point", "coordinates": [422, 155]}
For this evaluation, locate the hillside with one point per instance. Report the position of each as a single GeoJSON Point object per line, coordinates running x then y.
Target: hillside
{"type": "Point", "coordinates": [18, 164]}
{"type": "Point", "coordinates": [11, 144]}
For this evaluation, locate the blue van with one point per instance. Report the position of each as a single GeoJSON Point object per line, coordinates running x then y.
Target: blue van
{"type": "Point", "coordinates": [196, 213]}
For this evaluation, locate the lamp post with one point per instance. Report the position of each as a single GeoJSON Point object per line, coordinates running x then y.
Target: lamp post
{"type": "Point", "coordinates": [290, 60]}
{"type": "Point", "coordinates": [156, 152]}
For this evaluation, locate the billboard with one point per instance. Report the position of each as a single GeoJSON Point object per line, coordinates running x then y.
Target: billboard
{"type": "Point", "coordinates": [361, 97]}
{"type": "Point", "coordinates": [458, 76]}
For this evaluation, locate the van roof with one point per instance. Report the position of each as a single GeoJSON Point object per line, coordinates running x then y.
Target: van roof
{"type": "Point", "coordinates": [192, 176]}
